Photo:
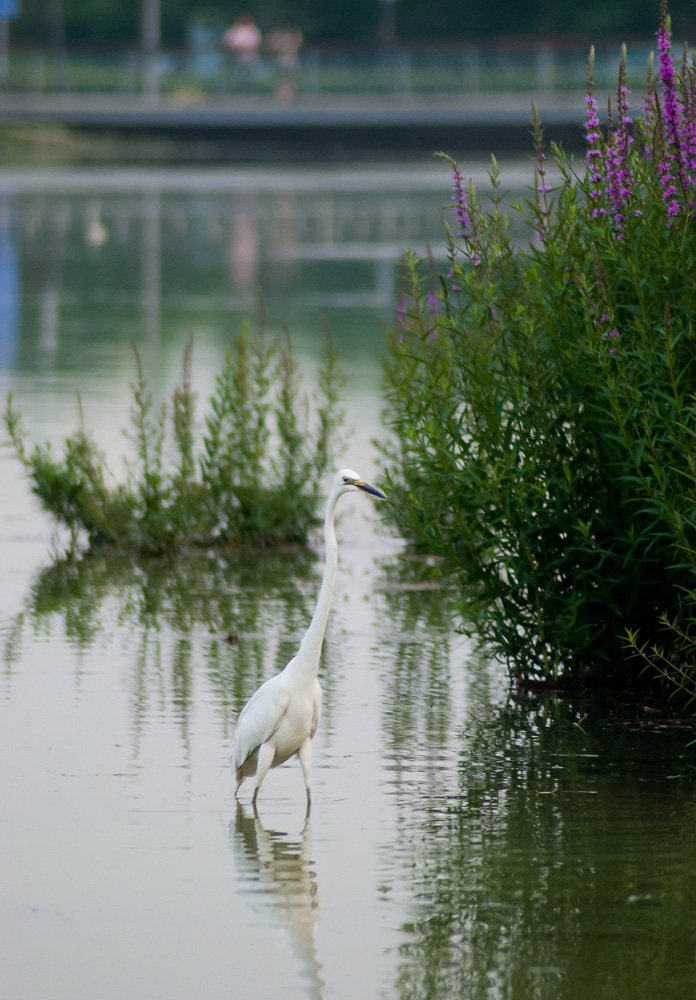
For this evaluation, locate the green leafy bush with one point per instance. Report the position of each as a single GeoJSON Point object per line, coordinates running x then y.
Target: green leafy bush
{"type": "Point", "coordinates": [254, 477]}
{"type": "Point", "coordinates": [543, 403]}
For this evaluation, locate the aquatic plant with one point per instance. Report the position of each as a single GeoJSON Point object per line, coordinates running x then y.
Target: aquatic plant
{"type": "Point", "coordinates": [254, 476]}
{"type": "Point", "coordinates": [544, 421]}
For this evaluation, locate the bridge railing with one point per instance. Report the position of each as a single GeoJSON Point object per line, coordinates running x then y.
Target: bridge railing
{"type": "Point", "coordinates": [399, 72]}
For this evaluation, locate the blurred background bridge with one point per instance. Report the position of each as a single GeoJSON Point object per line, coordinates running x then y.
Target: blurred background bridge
{"type": "Point", "coordinates": [329, 101]}
{"type": "Point", "coordinates": [356, 77]}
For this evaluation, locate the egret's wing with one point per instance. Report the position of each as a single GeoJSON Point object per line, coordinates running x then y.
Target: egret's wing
{"type": "Point", "coordinates": [259, 718]}
{"type": "Point", "coordinates": [316, 709]}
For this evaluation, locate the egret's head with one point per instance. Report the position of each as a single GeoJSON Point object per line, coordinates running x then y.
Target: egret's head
{"type": "Point", "coordinates": [348, 481]}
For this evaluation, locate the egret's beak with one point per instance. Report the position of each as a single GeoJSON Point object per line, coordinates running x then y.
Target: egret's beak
{"type": "Point", "coordinates": [372, 490]}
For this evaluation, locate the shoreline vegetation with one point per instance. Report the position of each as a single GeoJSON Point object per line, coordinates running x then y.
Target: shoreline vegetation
{"type": "Point", "coordinates": [49, 144]}
{"type": "Point", "coordinates": [542, 402]}
{"type": "Point", "coordinates": [252, 478]}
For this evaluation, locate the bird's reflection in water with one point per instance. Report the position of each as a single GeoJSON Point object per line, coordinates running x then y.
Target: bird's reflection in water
{"type": "Point", "coordinates": [279, 875]}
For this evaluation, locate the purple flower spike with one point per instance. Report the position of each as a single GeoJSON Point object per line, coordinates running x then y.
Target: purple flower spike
{"type": "Point", "coordinates": [671, 167]}
{"type": "Point", "coordinates": [593, 137]}
{"type": "Point", "coordinates": [619, 177]}
{"type": "Point", "coordinates": [465, 209]}
{"type": "Point", "coordinates": [461, 205]}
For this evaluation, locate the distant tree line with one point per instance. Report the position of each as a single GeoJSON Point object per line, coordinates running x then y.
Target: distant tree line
{"type": "Point", "coordinates": [98, 23]}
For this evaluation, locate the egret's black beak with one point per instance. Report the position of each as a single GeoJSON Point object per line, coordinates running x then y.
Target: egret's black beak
{"type": "Point", "coordinates": [372, 490]}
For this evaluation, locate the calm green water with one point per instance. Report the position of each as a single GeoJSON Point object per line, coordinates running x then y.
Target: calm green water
{"type": "Point", "coordinates": [464, 842]}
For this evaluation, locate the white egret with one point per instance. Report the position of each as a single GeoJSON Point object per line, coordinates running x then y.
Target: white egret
{"type": "Point", "coordinates": [281, 717]}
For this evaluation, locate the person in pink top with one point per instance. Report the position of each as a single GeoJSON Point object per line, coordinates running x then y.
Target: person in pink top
{"type": "Point", "coordinates": [243, 39]}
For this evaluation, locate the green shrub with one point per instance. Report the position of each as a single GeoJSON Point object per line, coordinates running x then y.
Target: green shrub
{"type": "Point", "coordinates": [254, 478]}
{"type": "Point", "coordinates": [543, 403]}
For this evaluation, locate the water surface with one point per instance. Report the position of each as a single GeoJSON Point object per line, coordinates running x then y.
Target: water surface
{"type": "Point", "coordinates": [464, 841]}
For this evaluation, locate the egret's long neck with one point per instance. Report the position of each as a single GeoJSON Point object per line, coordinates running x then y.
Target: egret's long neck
{"type": "Point", "coordinates": [310, 647]}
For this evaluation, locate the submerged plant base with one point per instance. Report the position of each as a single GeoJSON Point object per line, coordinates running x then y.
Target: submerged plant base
{"type": "Point", "coordinates": [569, 684]}
{"type": "Point", "coordinates": [254, 478]}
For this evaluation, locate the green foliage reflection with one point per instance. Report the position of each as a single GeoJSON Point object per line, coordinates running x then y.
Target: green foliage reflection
{"type": "Point", "coordinates": [234, 618]}
{"type": "Point", "coordinates": [417, 700]}
{"type": "Point", "coordinates": [562, 864]}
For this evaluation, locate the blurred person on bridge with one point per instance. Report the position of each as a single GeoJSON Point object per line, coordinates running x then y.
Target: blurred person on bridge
{"type": "Point", "coordinates": [243, 39]}
{"type": "Point", "coordinates": [285, 44]}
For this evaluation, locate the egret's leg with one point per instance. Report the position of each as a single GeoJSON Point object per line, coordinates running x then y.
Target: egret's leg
{"type": "Point", "coordinates": [305, 755]}
{"type": "Point", "coordinates": [263, 765]}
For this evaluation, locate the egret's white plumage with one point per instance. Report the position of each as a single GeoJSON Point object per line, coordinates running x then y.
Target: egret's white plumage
{"type": "Point", "coordinates": [281, 717]}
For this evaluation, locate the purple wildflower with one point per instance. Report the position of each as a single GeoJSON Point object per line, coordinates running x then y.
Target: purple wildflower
{"type": "Point", "coordinates": [689, 120]}
{"type": "Point", "coordinates": [461, 205]}
{"type": "Point", "coordinates": [464, 206]}
{"type": "Point", "coordinates": [593, 137]}
{"type": "Point", "coordinates": [671, 167]}
{"type": "Point", "coordinates": [619, 177]}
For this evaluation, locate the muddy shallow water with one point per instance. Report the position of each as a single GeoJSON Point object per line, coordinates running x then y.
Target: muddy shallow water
{"type": "Point", "coordinates": [463, 842]}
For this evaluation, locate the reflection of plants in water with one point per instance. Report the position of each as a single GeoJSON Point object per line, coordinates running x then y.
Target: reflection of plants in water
{"type": "Point", "coordinates": [562, 864]}
{"type": "Point", "coordinates": [239, 615]}
{"type": "Point", "coordinates": [418, 702]}
{"type": "Point", "coordinates": [531, 840]}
